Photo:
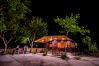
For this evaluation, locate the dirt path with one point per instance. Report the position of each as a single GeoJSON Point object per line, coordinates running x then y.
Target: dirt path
{"type": "Point", "coordinates": [39, 60]}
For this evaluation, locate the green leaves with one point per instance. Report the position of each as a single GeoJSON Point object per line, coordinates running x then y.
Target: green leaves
{"type": "Point", "coordinates": [69, 24]}
{"type": "Point", "coordinates": [15, 11]}
{"type": "Point", "coordinates": [36, 25]}
{"type": "Point", "coordinates": [86, 40]}
{"type": "Point", "coordinates": [34, 28]}
{"type": "Point", "coordinates": [2, 25]}
{"type": "Point", "coordinates": [12, 12]}
{"type": "Point", "coordinates": [24, 39]}
{"type": "Point", "coordinates": [91, 45]}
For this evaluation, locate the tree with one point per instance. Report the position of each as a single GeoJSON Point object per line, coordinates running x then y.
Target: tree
{"type": "Point", "coordinates": [91, 45]}
{"type": "Point", "coordinates": [34, 27]}
{"type": "Point", "coordinates": [69, 24]}
{"type": "Point", "coordinates": [11, 14]}
{"type": "Point", "coordinates": [87, 40]}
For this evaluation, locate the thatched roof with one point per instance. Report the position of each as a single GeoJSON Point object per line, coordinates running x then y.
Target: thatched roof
{"type": "Point", "coordinates": [51, 38]}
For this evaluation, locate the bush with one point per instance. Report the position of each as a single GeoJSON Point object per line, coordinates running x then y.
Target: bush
{"type": "Point", "coordinates": [34, 52]}
{"type": "Point", "coordinates": [44, 54]}
{"type": "Point", "coordinates": [64, 56]}
{"type": "Point", "coordinates": [45, 51]}
{"type": "Point", "coordinates": [93, 48]}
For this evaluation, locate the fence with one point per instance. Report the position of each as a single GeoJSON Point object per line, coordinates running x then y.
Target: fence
{"type": "Point", "coordinates": [21, 51]}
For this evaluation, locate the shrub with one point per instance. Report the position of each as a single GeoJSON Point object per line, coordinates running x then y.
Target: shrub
{"type": "Point", "coordinates": [34, 52]}
{"type": "Point", "coordinates": [44, 54]}
{"type": "Point", "coordinates": [64, 56]}
{"type": "Point", "coordinates": [93, 48]}
{"type": "Point", "coordinates": [45, 51]}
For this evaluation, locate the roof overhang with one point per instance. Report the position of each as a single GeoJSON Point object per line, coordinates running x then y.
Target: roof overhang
{"type": "Point", "coordinates": [51, 38]}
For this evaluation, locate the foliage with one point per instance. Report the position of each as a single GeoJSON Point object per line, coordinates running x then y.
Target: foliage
{"type": "Point", "coordinates": [93, 48]}
{"type": "Point", "coordinates": [45, 51]}
{"type": "Point", "coordinates": [64, 56]}
{"type": "Point", "coordinates": [37, 26]}
{"type": "Point", "coordinates": [34, 52]}
{"type": "Point", "coordinates": [87, 40]}
{"type": "Point", "coordinates": [34, 27]}
{"type": "Point", "coordinates": [24, 39]}
{"type": "Point", "coordinates": [91, 45]}
{"type": "Point", "coordinates": [69, 24]}
{"type": "Point", "coordinates": [11, 14]}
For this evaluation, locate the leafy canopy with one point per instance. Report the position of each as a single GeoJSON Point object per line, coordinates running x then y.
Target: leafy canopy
{"type": "Point", "coordinates": [69, 24]}
{"type": "Point", "coordinates": [34, 28]}
{"type": "Point", "coordinates": [11, 12]}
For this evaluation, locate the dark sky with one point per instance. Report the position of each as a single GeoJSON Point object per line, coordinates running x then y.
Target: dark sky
{"type": "Point", "coordinates": [50, 9]}
{"type": "Point", "coordinates": [89, 17]}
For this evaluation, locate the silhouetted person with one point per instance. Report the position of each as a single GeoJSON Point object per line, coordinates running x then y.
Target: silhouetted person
{"type": "Point", "coordinates": [13, 51]}
{"type": "Point", "coordinates": [54, 47]}
{"type": "Point", "coordinates": [17, 49]}
{"type": "Point", "coordinates": [25, 49]}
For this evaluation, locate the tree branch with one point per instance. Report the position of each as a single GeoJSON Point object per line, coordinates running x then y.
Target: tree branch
{"type": "Point", "coordinates": [0, 36]}
{"type": "Point", "coordinates": [34, 36]}
{"type": "Point", "coordinates": [9, 40]}
{"type": "Point", "coordinates": [3, 38]}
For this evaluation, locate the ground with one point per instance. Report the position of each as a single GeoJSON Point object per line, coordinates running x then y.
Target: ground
{"type": "Point", "coordinates": [40, 60]}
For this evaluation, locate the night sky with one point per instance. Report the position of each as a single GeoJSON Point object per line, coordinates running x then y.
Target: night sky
{"type": "Point", "coordinates": [49, 9]}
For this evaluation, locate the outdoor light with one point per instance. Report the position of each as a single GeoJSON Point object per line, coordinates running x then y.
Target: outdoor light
{"type": "Point", "coordinates": [51, 38]}
{"type": "Point", "coordinates": [63, 38]}
{"type": "Point", "coordinates": [55, 38]}
{"type": "Point", "coordinates": [68, 42]}
{"type": "Point", "coordinates": [42, 40]}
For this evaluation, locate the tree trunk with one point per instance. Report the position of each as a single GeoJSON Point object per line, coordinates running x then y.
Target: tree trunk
{"type": "Point", "coordinates": [5, 42]}
{"type": "Point", "coordinates": [5, 49]}
{"type": "Point", "coordinates": [89, 47]}
{"type": "Point", "coordinates": [31, 48]}
{"type": "Point", "coordinates": [65, 44]}
{"type": "Point", "coordinates": [67, 34]}
{"type": "Point", "coordinates": [65, 49]}
{"type": "Point", "coordinates": [31, 44]}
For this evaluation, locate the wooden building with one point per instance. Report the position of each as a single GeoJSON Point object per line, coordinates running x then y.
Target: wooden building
{"type": "Point", "coordinates": [62, 41]}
